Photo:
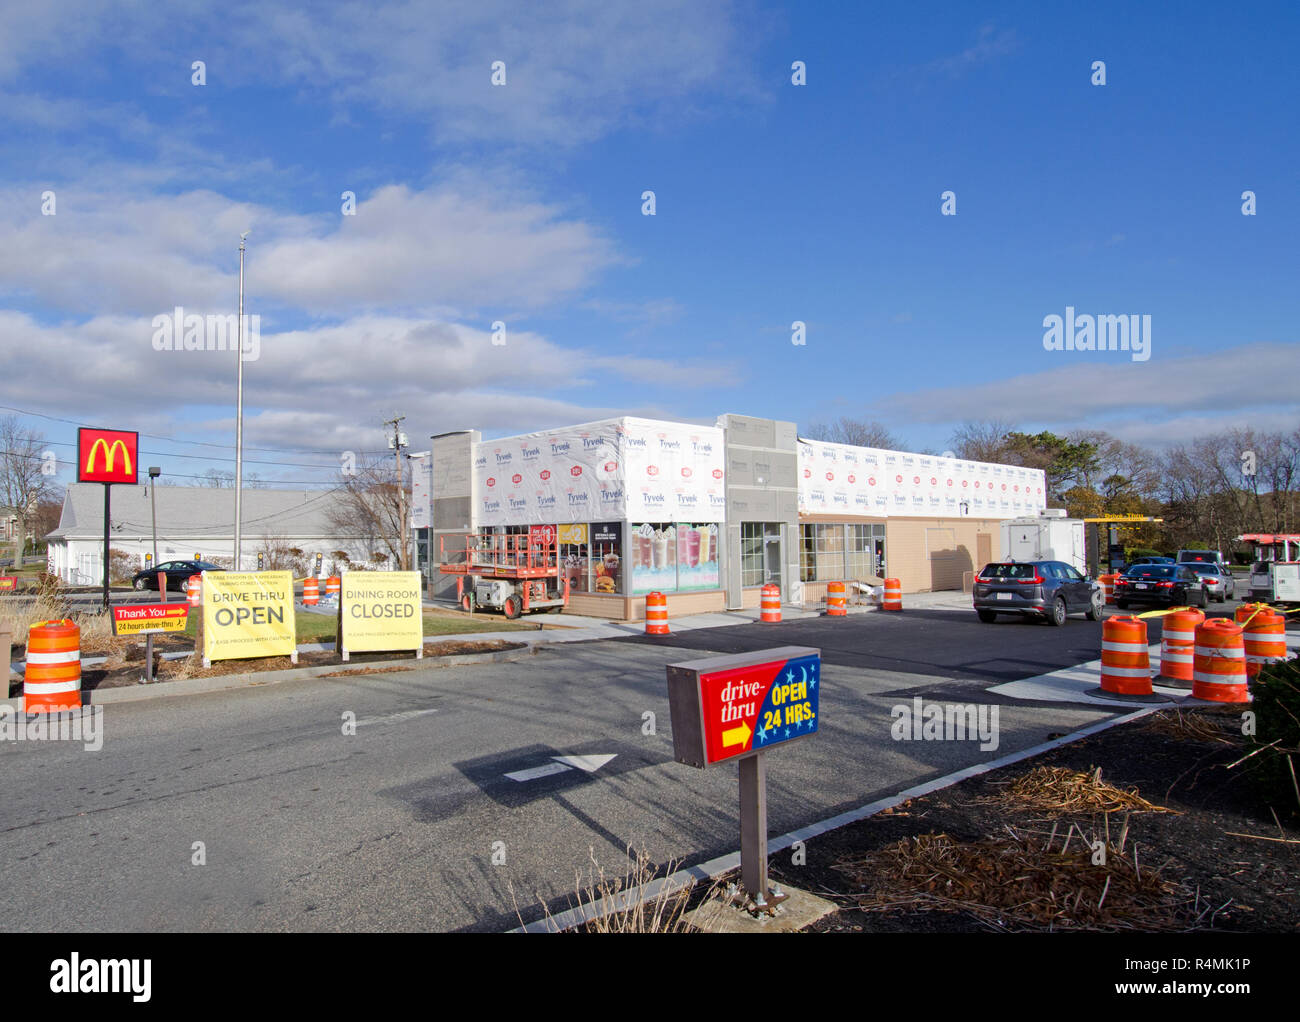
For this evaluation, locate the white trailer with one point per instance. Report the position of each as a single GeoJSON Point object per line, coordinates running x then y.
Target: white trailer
{"type": "Point", "coordinates": [1046, 538]}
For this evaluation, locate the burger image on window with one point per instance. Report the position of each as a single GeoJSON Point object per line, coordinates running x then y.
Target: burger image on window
{"type": "Point", "coordinates": [606, 572]}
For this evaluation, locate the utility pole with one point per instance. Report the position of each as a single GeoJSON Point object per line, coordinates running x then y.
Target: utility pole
{"type": "Point", "coordinates": [239, 404]}
{"type": "Point", "coordinates": [397, 443]}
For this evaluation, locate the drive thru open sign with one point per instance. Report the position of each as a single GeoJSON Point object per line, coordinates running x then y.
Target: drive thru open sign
{"type": "Point", "coordinates": [736, 705]}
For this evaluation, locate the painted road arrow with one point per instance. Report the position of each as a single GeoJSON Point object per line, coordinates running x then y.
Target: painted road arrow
{"type": "Point", "coordinates": [589, 764]}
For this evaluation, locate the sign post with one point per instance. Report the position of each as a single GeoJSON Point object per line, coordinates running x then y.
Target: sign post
{"type": "Point", "coordinates": [737, 707]}
{"type": "Point", "coordinates": [148, 620]}
{"type": "Point", "coordinates": [98, 451]}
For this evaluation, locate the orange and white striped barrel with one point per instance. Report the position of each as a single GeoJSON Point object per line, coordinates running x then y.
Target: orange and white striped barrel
{"type": "Point", "coordinates": [1178, 643]}
{"type": "Point", "coordinates": [310, 592]}
{"type": "Point", "coordinates": [52, 680]}
{"type": "Point", "coordinates": [1265, 640]}
{"type": "Point", "coordinates": [194, 590]}
{"type": "Point", "coordinates": [656, 614]}
{"type": "Point", "coordinates": [333, 584]}
{"type": "Point", "coordinates": [1108, 587]}
{"type": "Point", "coordinates": [1247, 611]}
{"type": "Point", "coordinates": [1219, 666]}
{"type": "Point", "coordinates": [1125, 659]}
{"type": "Point", "coordinates": [771, 603]}
{"type": "Point", "coordinates": [837, 603]}
{"type": "Point", "coordinates": [893, 599]}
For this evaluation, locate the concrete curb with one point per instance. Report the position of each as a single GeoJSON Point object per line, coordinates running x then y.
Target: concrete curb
{"type": "Point", "coordinates": [256, 679]}
{"type": "Point", "coordinates": [714, 868]}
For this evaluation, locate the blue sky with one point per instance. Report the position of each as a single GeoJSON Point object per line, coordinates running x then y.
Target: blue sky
{"type": "Point", "coordinates": [522, 204]}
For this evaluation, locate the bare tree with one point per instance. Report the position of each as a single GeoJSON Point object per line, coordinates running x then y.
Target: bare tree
{"type": "Point", "coordinates": [26, 477]}
{"type": "Point", "coordinates": [857, 432]}
{"type": "Point", "coordinates": [369, 507]}
{"type": "Point", "coordinates": [985, 440]}
{"type": "Point", "coordinates": [225, 480]}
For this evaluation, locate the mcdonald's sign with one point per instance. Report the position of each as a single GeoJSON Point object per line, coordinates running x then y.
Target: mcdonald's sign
{"type": "Point", "coordinates": [106, 456]}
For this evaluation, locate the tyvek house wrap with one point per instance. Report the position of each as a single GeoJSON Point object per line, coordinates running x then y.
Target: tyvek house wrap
{"type": "Point", "coordinates": [843, 479]}
{"type": "Point", "coordinates": [624, 469]}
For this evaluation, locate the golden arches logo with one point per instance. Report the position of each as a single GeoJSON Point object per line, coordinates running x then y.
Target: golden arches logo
{"type": "Point", "coordinates": [110, 455]}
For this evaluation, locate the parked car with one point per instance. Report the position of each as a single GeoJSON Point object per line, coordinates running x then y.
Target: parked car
{"type": "Point", "coordinates": [1047, 589]}
{"type": "Point", "coordinates": [177, 572]}
{"type": "Point", "coordinates": [1169, 585]}
{"type": "Point", "coordinates": [1218, 580]}
{"type": "Point", "coordinates": [1200, 557]}
{"type": "Point", "coordinates": [1151, 560]}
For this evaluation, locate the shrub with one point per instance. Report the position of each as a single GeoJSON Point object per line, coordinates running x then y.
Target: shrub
{"type": "Point", "coordinates": [1277, 726]}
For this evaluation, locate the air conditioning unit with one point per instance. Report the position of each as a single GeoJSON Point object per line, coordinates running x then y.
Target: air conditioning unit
{"type": "Point", "coordinates": [1053, 512]}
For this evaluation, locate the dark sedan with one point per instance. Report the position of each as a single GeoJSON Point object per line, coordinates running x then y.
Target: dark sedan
{"type": "Point", "coordinates": [1047, 589]}
{"type": "Point", "coordinates": [177, 572]}
{"type": "Point", "coordinates": [1167, 585]}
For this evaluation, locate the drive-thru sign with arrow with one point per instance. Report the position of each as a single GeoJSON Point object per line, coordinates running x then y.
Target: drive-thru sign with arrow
{"type": "Point", "coordinates": [737, 707]}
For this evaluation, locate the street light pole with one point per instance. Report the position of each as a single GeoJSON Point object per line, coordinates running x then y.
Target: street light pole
{"type": "Point", "coordinates": [154, 473]}
{"type": "Point", "coordinates": [239, 407]}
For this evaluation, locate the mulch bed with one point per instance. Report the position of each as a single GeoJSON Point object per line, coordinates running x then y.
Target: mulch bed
{"type": "Point", "coordinates": [1015, 849]}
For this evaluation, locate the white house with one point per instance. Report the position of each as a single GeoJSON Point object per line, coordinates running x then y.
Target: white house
{"type": "Point", "coordinates": [193, 522]}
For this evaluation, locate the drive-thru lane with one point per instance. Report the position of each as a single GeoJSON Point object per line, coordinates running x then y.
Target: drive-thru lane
{"type": "Point", "coordinates": [404, 824]}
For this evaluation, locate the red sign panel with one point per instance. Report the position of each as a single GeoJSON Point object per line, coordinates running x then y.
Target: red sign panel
{"type": "Point", "coordinates": [107, 455]}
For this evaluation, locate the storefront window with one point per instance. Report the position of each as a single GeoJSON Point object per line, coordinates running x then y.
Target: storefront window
{"type": "Point", "coordinates": [574, 557]}
{"type": "Point", "coordinates": [697, 556]}
{"type": "Point", "coordinates": [821, 552]}
{"type": "Point", "coordinates": [866, 551]}
{"type": "Point", "coordinates": [760, 553]}
{"type": "Point", "coordinates": [607, 557]}
{"type": "Point", "coordinates": [654, 553]}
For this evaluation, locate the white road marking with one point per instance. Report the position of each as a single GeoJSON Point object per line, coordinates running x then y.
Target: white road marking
{"type": "Point", "coordinates": [393, 718]}
{"type": "Point", "coordinates": [587, 764]}
{"type": "Point", "coordinates": [545, 770]}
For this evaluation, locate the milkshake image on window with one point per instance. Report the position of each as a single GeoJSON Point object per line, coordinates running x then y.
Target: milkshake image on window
{"type": "Point", "coordinates": [663, 539]}
{"type": "Point", "coordinates": [705, 543]}
{"type": "Point", "coordinates": [694, 547]}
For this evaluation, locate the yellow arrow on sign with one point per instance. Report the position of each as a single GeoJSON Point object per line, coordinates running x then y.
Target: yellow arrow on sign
{"type": "Point", "coordinates": [737, 735]}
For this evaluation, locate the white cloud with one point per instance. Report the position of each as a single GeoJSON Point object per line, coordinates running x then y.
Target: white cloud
{"type": "Point", "coordinates": [1160, 401]}
{"type": "Point", "coordinates": [109, 252]}
{"type": "Point", "coordinates": [574, 72]}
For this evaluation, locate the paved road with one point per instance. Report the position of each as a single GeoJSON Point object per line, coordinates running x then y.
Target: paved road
{"type": "Point", "coordinates": [394, 828]}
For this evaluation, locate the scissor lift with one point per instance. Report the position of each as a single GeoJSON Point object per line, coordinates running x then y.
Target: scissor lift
{"type": "Point", "coordinates": [1275, 571]}
{"type": "Point", "coordinates": [516, 574]}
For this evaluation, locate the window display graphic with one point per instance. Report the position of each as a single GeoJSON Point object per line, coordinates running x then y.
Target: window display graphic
{"type": "Point", "coordinates": [697, 556]}
{"type": "Point", "coordinates": [654, 549]}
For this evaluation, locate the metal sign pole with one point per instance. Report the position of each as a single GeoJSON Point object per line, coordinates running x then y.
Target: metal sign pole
{"type": "Point", "coordinates": [148, 658]}
{"type": "Point", "coordinates": [753, 829]}
{"type": "Point", "coordinates": [107, 489]}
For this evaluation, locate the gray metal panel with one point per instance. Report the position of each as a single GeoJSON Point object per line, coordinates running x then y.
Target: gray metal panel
{"type": "Point", "coordinates": [734, 595]}
{"type": "Point", "coordinates": [687, 716]}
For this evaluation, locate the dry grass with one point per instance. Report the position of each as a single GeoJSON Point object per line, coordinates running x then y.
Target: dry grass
{"type": "Point", "coordinates": [1197, 727]}
{"type": "Point", "coordinates": [1058, 790]}
{"type": "Point", "coordinates": [1024, 881]}
{"type": "Point", "coordinates": [613, 904]}
{"type": "Point", "coordinates": [96, 626]}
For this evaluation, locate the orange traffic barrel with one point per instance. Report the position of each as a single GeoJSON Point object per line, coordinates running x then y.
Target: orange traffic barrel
{"type": "Point", "coordinates": [1265, 639]}
{"type": "Point", "coordinates": [1177, 645]}
{"type": "Point", "coordinates": [836, 602]}
{"type": "Point", "coordinates": [1248, 610]}
{"type": "Point", "coordinates": [771, 603]}
{"type": "Point", "coordinates": [52, 680]}
{"type": "Point", "coordinates": [332, 586]}
{"type": "Point", "coordinates": [656, 614]}
{"type": "Point", "coordinates": [194, 590]}
{"type": "Point", "coordinates": [310, 592]}
{"type": "Point", "coordinates": [893, 595]}
{"type": "Point", "coordinates": [1125, 660]}
{"type": "Point", "coordinates": [1108, 586]}
{"type": "Point", "coordinates": [1219, 662]}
